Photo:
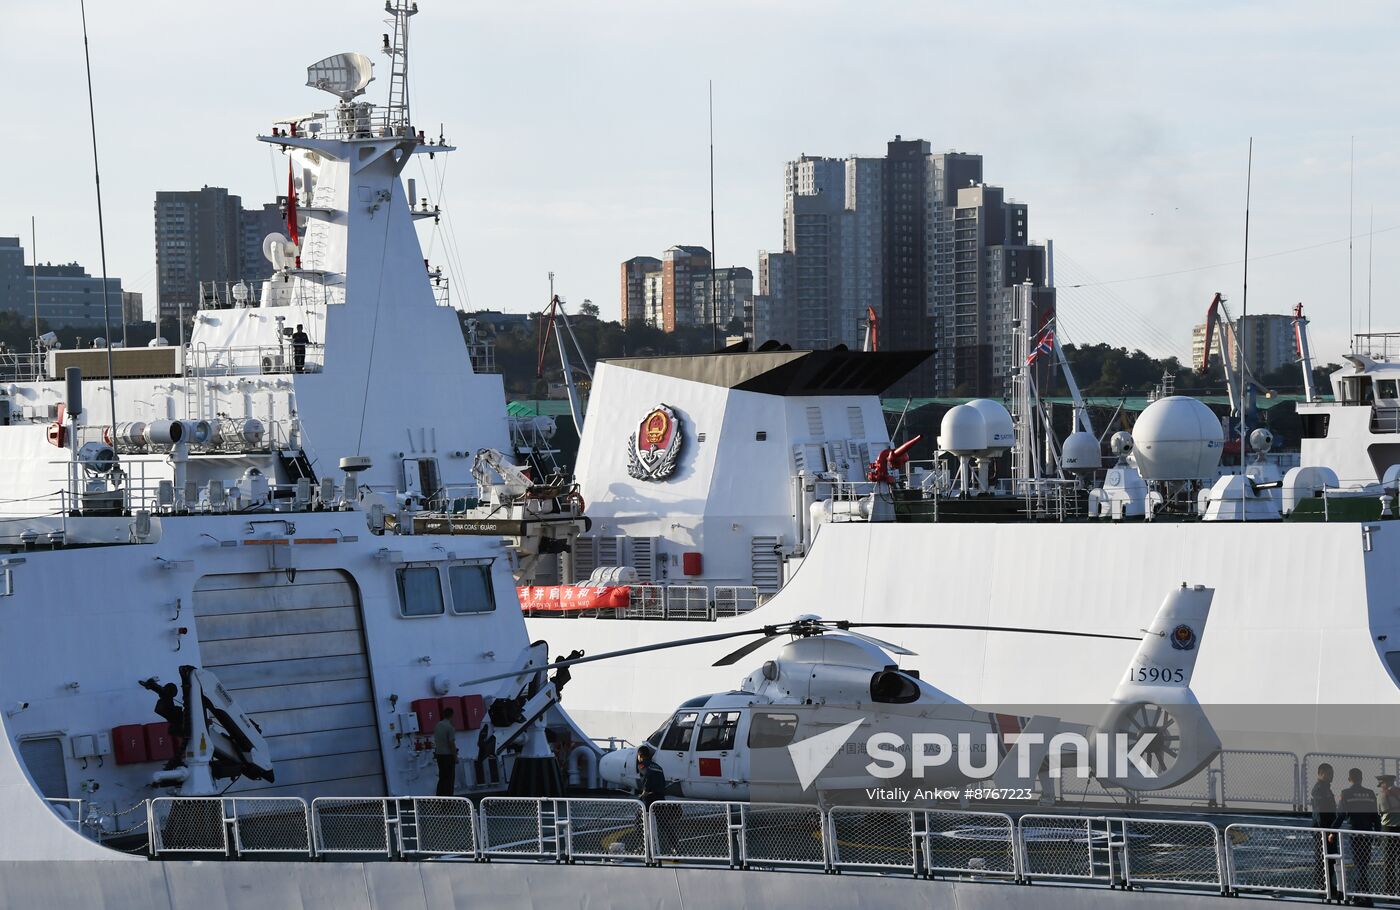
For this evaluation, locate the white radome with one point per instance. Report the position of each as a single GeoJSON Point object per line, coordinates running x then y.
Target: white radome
{"type": "Point", "coordinates": [1001, 431]}
{"type": "Point", "coordinates": [1081, 452]}
{"type": "Point", "coordinates": [1178, 438]}
{"type": "Point", "coordinates": [963, 431]}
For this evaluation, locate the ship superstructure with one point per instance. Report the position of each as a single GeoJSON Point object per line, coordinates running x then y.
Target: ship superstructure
{"type": "Point", "coordinates": [233, 520]}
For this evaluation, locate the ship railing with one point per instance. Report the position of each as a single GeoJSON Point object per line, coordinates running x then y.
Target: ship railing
{"type": "Point", "coordinates": [483, 357]}
{"type": "Point", "coordinates": [253, 360]}
{"type": "Point", "coordinates": [1137, 852]}
{"type": "Point", "coordinates": [23, 366]}
{"type": "Point", "coordinates": [356, 120]}
{"type": "Point", "coordinates": [68, 809]}
{"type": "Point", "coordinates": [228, 826]}
{"type": "Point", "coordinates": [687, 602]}
{"type": "Point", "coordinates": [564, 830]}
{"type": "Point", "coordinates": [1383, 346]}
{"type": "Point", "coordinates": [1234, 779]}
{"type": "Point", "coordinates": [732, 600]}
{"type": "Point", "coordinates": [1280, 860]}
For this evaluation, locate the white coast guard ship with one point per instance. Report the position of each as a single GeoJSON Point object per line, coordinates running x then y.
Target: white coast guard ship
{"type": "Point", "coordinates": [234, 519]}
{"type": "Point", "coordinates": [767, 510]}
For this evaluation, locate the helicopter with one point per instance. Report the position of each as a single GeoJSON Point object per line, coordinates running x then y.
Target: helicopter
{"type": "Point", "coordinates": [833, 712]}
{"type": "Point", "coordinates": [830, 687]}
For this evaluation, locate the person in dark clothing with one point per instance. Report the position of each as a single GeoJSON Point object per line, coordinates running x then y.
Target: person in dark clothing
{"type": "Point", "coordinates": [299, 343]}
{"type": "Point", "coordinates": [651, 780]}
{"type": "Point", "coordinates": [1388, 808]}
{"type": "Point", "coordinates": [173, 714]}
{"type": "Point", "coordinates": [651, 787]}
{"type": "Point", "coordinates": [1324, 816]}
{"type": "Point", "coordinates": [445, 753]}
{"type": "Point", "coordinates": [1357, 806]}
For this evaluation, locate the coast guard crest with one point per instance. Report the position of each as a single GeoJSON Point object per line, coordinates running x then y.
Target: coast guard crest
{"type": "Point", "coordinates": [652, 451]}
{"type": "Point", "coordinates": [1183, 638]}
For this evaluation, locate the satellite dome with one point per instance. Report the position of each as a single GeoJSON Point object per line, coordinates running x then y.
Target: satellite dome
{"type": "Point", "coordinates": [1001, 432]}
{"type": "Point", "coordinates": [1178, 438]}
{"type": "Point", "coordinates": [1081, 452]}
{"type": "Point", "coordinates": [963, 431]}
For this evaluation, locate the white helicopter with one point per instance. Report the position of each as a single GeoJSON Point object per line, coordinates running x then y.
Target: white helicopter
{"type": "Point", "coordinates": [833, 713]}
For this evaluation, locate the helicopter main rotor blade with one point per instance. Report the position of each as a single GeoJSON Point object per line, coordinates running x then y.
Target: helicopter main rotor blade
{"type": "Point", "coordinates": [972, 627]}
{"type": "Point", "coordinates": [881, 643]}
{"type": "Point", "coordinates": [744, 650]}
{"type": "Point", "coordinates": [770, 631]}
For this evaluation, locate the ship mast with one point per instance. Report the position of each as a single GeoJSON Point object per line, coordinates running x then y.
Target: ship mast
{"type": "Point", "coordinates": [396, 49]}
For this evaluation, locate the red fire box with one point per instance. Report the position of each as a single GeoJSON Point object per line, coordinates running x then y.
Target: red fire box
{"type": "Point", "coordinates": [692, 563]}
{"type": "Point", "coordinates": [473, 711]}
{"type": "Point", "coordinates": [129, 744]}
{"type": "Point", "coordinates": [427, 711]}
{"type": "Point", "coordinates": [160, 746]}
{"type": "Point", "coordinates": [455, 703]}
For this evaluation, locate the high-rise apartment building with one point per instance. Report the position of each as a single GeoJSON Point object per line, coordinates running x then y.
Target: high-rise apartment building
{"type": "Point", "coordinates": [634, 288]}
{"type": "Point", "coordinates": [679, 305]}
{"type": "Point", "coordinates": [1269, 343]}
{"type": "Point", "coordinates": [67, 294]}
{"type": "Point", "coordinates": [205, 235]}
{"type": "Point", "coordinates": [919, 239]}
{"type": "Point", "coordinates": [676, 291]}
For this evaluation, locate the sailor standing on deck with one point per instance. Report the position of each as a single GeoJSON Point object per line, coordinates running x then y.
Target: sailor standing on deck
{"type": "Point", "coordinates": [445, 751]}
{"type": "Point", "coordinates": [1358, 805]}
{"type": "Point", "coordinates": [299, 343]}
{"type": "Point", "coordinates": [1324, 816]}
{"type": "Point", "coordinates": [1388, 807]}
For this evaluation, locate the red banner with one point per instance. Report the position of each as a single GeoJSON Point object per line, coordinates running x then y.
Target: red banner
{"type": "Point", "coordinates": [572, 598]}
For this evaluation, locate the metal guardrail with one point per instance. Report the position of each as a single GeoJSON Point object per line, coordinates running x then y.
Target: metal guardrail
{"type": "Point", "coordinates": [1170, 852]}
{"type": "Point", "coordinates": [1277, 859]}
{"type": "Point", "coordinates": [687, 602]}
{"type": "Point", "coordinates": [872, 839]}
{"type": "Point", "coordinates": [344, 824]}
{"type": "Point", "coordinates": [732, 600]}
{"type": "Point", "coordinates": [1086, 850]}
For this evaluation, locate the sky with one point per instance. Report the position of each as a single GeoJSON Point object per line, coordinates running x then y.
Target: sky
{"type": "Point", "coordinates": [582, 135]}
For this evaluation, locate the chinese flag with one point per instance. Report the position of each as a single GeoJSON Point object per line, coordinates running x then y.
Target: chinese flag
{"type": "Point", "coordinates": [292, 205]}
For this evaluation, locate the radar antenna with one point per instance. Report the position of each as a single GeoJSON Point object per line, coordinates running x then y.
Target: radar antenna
{"type": "Point", "coordinates": [396, 49]}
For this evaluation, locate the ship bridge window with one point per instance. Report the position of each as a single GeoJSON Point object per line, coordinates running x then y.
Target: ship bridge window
{"type": "Point", "coordinates": [420, 591]}
{"type": "Point", "coordinates": [1357, 390]}
{"type": "Point", "coordinates": [771, 731]}
{"type": "Point", "coordinates": [1385, 388]}
{"type": "Point", "coordinates": [891, 687]}
{"type": "Point", "coordinates": [677, 739]}
{"type": "Point", "coordinates": [718, 732]}
{"type": "Point", "coordinates": [471, 588]}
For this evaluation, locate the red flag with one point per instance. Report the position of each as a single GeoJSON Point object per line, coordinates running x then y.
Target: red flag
{"type": "Point", "coordinates": [292, 205]}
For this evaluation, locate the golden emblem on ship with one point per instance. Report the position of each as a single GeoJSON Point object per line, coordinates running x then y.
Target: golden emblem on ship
{"type": "Point", "coordinates": [654, 450]}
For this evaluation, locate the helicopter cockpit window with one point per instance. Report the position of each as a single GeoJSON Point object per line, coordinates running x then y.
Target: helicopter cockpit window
{"type": "Point", "coordinates": [718, 731]}
{"type": "Point", "coordinates": [771, 731]}
{"type": "Point", "coordinates": [891, 687]}
{"type": "Point", "coordinates": [654, 740]}
{"type": "Point", "coordinates": [677, 738]}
